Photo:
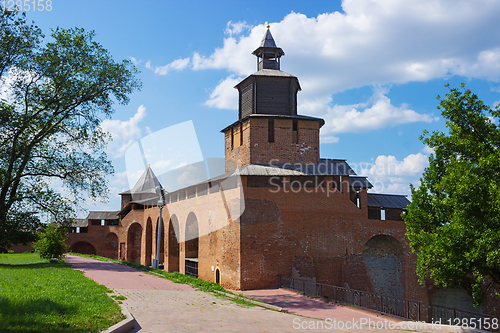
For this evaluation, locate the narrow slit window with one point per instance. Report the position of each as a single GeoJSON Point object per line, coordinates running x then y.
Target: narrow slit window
{"type": "Point", "coordinates": [295, 133]}
{"type": "Point", "coordinates": [232, 138]}
{"type": "Point", "coordinates": [270, 130]}
{"type": "Point", "coordinates": [382, 214]}
{"type": "Point", "coordinates": [241, 134]}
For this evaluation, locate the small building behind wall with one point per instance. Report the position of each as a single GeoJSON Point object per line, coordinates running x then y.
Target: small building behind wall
{"type": "Point", "coordinates": [79, 226]}
{"type": "Point", "coordinates": [96, 234]}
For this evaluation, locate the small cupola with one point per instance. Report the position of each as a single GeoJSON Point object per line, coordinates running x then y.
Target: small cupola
{"type": "Point", "coordinates": [268, 54]}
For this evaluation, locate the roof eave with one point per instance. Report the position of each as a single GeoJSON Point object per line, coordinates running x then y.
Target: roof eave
{"type": "Point", "coordinates": [300, 117]}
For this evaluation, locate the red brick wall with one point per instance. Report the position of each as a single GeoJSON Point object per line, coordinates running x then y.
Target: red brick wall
{"type": "Point", "coordinates": [98, 236]}
{"type": "Point", "coordinates": [237, 155]}
{"type": "Point", "coordinates": [256, 148]}
{"type": "Point", "coordinates": [20, 248]}
{"type": "Point", "coordinates": [491, 304]}
{"type": "Point", "coordinates": [274, 230]}
{"type": "Point", "coordinates": [331, 229]}
{"type": "Point", "coordinates": [219, 235]}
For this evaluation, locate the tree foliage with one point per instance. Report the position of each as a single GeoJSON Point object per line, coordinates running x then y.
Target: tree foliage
{"type": "Point", "coordinates": [453, 221]}
{"type": "Point", "coordinates": [53, 97]}
{"type": "Point", "coordinates": [51, 242]}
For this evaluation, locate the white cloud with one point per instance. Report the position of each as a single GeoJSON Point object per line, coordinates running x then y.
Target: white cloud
{"type": "Point", "coordinates": [235, 55]}
{"type": "Point", "coordinates": [427, 150]}
{"type": "Point", "coordinates": [8, 83]}
{"type": "Point", "coordinates": [373, 43]}
{"type": "Point", "coordinates": [186, 179]}
{"type": "Point", "coordinates": [161, 164]}
{"type": "Point", "coordinates": [177, 65]}
{"type": "Point", "coordinates": [329, 139]}
{"type": "Point", "coordinates": [390, 175]}
{"type": "Point", "coordinates": [124, 133]}
{"type": "Point", "coordinates": [180, 165]}
{"type": "Point", "coordinates": [135, 61]}
{"type": "Point", "coordinates": [376, 42]}
{"type": "Point", "coordinates": [120, 179]}
{"type": "Point", "coordinates": [377, 113]}
{"type": "Point", "coordinates": [236, 28]}
{"type": "Point", "coordinates": [110, 205]}
{"type": "Point", "coordinates": [224, 96]}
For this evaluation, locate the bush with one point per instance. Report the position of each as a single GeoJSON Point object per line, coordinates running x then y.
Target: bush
{"type": "Point", "coordinates": [51, 242]}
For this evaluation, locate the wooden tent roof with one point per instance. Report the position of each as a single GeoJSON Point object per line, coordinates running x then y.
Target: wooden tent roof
{"type": "Point", "coordinates": [268, 46]}
{"type": "Point", "coordinates": [147, 183]}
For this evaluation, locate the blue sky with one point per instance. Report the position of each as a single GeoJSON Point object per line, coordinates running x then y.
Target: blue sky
{"type": "Point", "coordinates": [372, 69]}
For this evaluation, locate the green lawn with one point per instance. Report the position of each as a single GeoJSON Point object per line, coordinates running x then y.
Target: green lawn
{"type": "Point", "coordinates": [36, 296]}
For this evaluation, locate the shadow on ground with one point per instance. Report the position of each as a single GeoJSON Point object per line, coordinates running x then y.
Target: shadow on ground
{"type": "Point", "coordinates": [31, 316]}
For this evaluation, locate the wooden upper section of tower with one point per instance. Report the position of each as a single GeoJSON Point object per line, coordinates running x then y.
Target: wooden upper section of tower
{"type": "Point", "coordinates": [269, 90]}
{"type": "Point", "coordinates": [269, 130]}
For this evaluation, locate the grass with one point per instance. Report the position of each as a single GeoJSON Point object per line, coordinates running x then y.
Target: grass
{"type": "Point", "coordinates": [176, 277]}
{"type": "Point", "coordinates": [37, 296]}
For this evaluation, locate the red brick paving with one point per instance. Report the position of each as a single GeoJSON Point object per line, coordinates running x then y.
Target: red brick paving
{"type": "Point", "coordinates": [159, 305]}
{"type": "Point", "coordinates": [297, 303]}
{"type": "Point", "coordinates": [116, 276]}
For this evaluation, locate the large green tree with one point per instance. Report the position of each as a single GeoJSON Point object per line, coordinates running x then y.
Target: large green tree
{"type": "Point", "coordinates": [453, 221]}
{"type": "Point", "coordinates": [54, 95]}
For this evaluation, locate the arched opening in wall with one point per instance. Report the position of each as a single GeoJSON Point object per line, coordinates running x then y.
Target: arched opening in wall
{"type": "Point", "coordinates": [173, 245]}
{"type": "Point", "coordinates": [162, 241]}
{"type": "Point", "coordinates": [217, 275]}
{"type": "Point", "coordinates": [134, 239]}
{"type": "Point", "coordinates": [453, 297]}
{"type": "Point", "coordinates": [383, 258]}
{"type": "Point", "coordinates": [149, 242]}
{"type": "Point", "coordinates": [111, 246]}
{"type": "Point", "coordinates": [191, 239]}
{"type": "Point", "coordinates": [83, 248]}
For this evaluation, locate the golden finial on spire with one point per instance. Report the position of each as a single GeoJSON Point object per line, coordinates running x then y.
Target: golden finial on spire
{"type": "Point", "coordinates": [267, 25]}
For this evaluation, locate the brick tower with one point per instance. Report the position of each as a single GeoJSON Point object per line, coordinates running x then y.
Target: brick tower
{"type": "Point", "coordinates": [269, 130]}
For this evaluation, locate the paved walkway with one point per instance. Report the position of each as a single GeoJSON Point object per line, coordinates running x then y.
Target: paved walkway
{"type": "Point", "coordinates": [296, 303]}
{"type": "Point", "coordinates": [159, 305]}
